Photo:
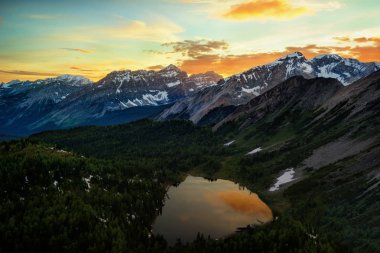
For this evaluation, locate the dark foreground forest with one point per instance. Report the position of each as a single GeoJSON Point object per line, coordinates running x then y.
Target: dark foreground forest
{"type": "Point", "coordinates": [99, 189]}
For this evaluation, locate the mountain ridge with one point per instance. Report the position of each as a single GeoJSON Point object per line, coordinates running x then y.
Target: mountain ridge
{"type": "Point", "coordinates": [240, 88]}
{"type": "Point", "coordinates": [68, 101]}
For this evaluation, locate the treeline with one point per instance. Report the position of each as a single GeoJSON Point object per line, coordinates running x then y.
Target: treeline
{"type": "Point", "coordinates": [56, 201]}
{"type": "Point", "coordinates": [95, 189]}
{"type": "Point", "coordinates": [177, 145]}
{"type": "Point", "coordinates": [283, 235]}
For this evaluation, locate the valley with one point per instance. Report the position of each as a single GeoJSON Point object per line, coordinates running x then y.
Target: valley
{"type": "Point", "coordinates": [190, 126]}
{"type": "Point", "coordinates": [309, 149]}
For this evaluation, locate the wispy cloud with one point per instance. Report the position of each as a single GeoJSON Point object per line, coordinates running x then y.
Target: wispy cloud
{"type": "Point", "coordinates": [84, 51]}
{"type": "Point", "coordinates": [43, 16]}
{"type": "Point", "coordinates": [28, 73]}
{"type": "Point", "coordinates": [342, 39]}
{"type": "Point", "coordinates": [82, 69]}
{"type": "Point", "coordinates": [159, 30]}
{"type": "Point", "coordinates": [155, 67]}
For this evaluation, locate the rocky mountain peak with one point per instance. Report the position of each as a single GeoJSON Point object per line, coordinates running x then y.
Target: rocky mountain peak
{"type": "Point", "coordinates": [73, 79]}
{"type": "Point", "coordinates": [171, 67]}
{"type": "Point", "coordinates": [295, 55]}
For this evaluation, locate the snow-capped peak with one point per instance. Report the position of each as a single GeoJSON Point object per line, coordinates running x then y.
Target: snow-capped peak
{"type": "Point", "coordinates": [73, 79]}
{"type": "Point", "coordinates": [329, 56]}
{"type": "Point", "coordinates": [170, 71]}
{"type": "Point", "coordinates": [171, 67]}
{"type": "Point", "coordinates": [10, 83]}
{"type": "Point", "coordinates": [295, 55]}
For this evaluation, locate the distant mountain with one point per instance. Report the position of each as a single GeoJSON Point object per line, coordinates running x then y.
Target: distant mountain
{"type": "Point", "coordinates": [122, 96]}
{"type": "Point", "coordinates": [241, 88]}
{"type": "Point", "coordinates": [50, 90]}
{"type": "Point", "coordinates": [24, 102]}
{"type": "Point", "coordinates": [125, 89]}
{"type": "Point", "coordinates": [68, 101]}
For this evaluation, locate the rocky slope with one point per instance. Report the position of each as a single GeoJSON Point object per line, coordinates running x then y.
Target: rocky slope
{"type": "Point", "coordinates": [296, 91]}
{"type": "Point", "coordinates": [327, 134]}
{"type": "Point", "coordinates": [241, 88]}
{"type": "Point", "coordinates": [328, 96]}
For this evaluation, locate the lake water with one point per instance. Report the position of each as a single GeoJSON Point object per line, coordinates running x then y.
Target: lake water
{"type": "Point", "coordinates": [215, 208]}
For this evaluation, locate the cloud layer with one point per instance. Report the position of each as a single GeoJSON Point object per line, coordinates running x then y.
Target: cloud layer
{"type": "Point", "coordinates": [28, 73]}
{"type": "Point", "coordinates": [84, 51]}
{"type": "Point", "coordinates": [213, 55]}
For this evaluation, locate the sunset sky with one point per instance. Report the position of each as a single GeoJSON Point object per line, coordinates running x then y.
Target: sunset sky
{"type": "Point", "coordinates": [45, 38]}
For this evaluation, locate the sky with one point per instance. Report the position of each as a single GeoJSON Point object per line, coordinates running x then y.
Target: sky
{"type": "Point", "coordinates": [46, 38]}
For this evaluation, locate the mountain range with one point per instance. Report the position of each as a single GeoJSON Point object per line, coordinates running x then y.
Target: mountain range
{"type": "Point", "coordinates": [170, 93]}
{"type": "Point", "coordinates": [241, 88]}
{"type": "Point", "coordinates": [68, 101]}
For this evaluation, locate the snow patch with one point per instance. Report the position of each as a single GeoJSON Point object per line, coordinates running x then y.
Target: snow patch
{"type": "Point", "coordinates": [153, 99]}
{"type": "Point", "coordinates": [170, 73]}
{"type": "Point", "coordinates": [286, 177]}
{"type": "Point", "coordinates": [72, 80]}
{"type": "Point", "coordinates": [172, 84]}
{"type": "Point", "coordinates": [63, 151]}
{"type": "Point", "coordinates": [327, 72]}
{"type": "Point", "coordinates": [307, 68]}
{"type": "Point", "coordinates": [256, 150]}
{"type": "Point", "coordinates": [253, 90]}
{"type": "Point", "coordinates": [87, 180]}
{"type": "Point", "coordinates": [229, 143]}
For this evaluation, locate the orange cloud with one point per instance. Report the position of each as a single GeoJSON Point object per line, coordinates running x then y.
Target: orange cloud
{"type": "Point", "coordinates": [84, 51]}
{"type": "Point", "coordinates": [366, 39]}
{"type": "Point", "coordinates": [367, 53]}
{"type": "Point", "coordinates": [266, 9]}
{"type": "Point", "coordinates": [249, 204]}
{"type": "Point", "coordinates": [227, 65]}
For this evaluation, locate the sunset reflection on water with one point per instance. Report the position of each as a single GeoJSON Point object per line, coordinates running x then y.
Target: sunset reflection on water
{"type": "Point", "coordinates": [215, 208]}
